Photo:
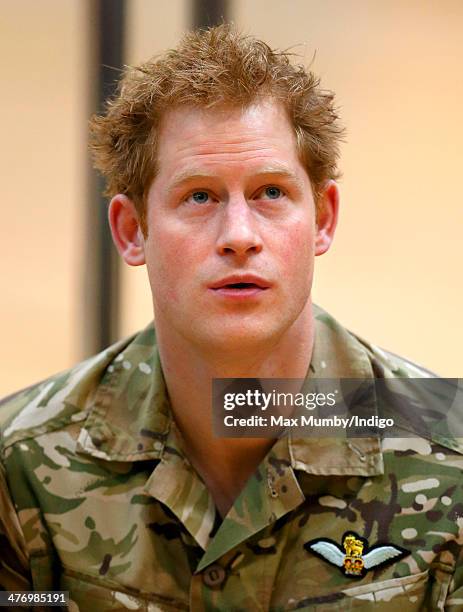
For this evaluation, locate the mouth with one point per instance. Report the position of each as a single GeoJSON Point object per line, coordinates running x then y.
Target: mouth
{"type": "Point", "coordinates": [240, 288]}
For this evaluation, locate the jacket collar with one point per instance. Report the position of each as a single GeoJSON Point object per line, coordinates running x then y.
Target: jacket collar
{"type": "Point", "coordinates": [130, 416]}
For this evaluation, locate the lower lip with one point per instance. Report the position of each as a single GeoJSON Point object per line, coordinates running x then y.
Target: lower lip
{"type": "Point", "coordinates": [239, 294]}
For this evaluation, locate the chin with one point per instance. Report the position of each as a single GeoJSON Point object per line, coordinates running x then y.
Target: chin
{"type": "Point", "coordinates": [242, 336]}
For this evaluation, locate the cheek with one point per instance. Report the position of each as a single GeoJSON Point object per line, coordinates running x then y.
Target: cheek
{"type": "Point", "coordinates": [173, 260]}
{"type": "Point", "coordinates": [163, 262]}
{"type": "Point", "coordinates": [298, 249]}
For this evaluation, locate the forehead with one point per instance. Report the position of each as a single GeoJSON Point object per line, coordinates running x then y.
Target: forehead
{"type": "Point", "coordinates": [259, 132]}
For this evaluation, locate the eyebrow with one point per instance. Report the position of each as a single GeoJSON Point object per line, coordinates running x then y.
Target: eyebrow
{"type": "Point", "coordinates": [190, 174]}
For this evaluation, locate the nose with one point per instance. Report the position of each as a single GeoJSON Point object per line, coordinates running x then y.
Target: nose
{"type": "Point", "coordinates": [238, 233]}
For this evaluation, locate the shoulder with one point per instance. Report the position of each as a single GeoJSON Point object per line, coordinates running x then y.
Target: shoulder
{"type": "Point", "coordinates": [427, 410]}
{"type": "Point", "coordinates": [55, 402]}
{"type": "Point", "coordinates": [362, 358]}
{"type": "Point", "coordinates": [420, 403]}
{"type": "Point", "coordinates": [387, 364]}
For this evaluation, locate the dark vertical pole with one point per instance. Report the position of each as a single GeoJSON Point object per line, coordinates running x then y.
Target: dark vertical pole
{"type": "Point", "coordinates": [101, 307]}
{"type": "Point", "coordinates": [111, 28]}
{"type": "Point", "coordinates": [209, 12]}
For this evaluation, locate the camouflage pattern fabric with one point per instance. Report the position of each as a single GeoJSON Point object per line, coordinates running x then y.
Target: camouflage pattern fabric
{"type": "Point", "coordinates": [97, 498]}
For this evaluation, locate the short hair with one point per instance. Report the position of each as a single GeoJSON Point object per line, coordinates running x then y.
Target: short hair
{"type": "Point", "coordinates": [218, 66]}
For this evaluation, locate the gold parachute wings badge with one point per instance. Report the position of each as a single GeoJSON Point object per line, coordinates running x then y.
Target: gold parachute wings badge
{"type": "Point", "coordinates": [352, 561]}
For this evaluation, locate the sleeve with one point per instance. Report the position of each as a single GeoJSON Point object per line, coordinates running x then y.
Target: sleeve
{"type": "Point", "coordinates": [15, 572]}
{"type": "Point", "coordinates": [454, 600]}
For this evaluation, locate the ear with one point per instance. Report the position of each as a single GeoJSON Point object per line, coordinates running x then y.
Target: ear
{"type": "Point", "coordinates": [327, 217]}
{"type": "Point", "coordinates": [126, 230]}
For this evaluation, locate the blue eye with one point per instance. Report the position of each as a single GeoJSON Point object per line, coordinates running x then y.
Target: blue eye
{"type": "Point", "coordinates": [273, 193]}
{"type": "Point", "coordinates": [200, 197]}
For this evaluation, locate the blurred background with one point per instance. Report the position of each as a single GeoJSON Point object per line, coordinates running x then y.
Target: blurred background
{"type": "Point", "coordinates": [394, 275]}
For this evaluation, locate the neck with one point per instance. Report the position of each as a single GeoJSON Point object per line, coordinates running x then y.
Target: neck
{"type": "Point", "coordinates": [226, 463]}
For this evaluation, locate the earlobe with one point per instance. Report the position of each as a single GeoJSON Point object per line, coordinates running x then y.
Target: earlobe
{"type": "Point", "coordinates": [327, 217]}
{"type": "Point", "coordinates": [126, 230]}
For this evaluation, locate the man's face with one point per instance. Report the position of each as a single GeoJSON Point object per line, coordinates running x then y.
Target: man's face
{"type": "Point", "coordinates": [231, 227]}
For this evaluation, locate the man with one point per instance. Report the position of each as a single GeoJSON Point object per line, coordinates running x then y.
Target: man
{"type": "Point", "coordinates": [221, 159]}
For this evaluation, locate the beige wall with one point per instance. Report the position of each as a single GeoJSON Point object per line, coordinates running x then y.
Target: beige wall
{"type": "Point", "coordinates": [394, 274]}
{"type": "Point", "coordinates": [42, 160]}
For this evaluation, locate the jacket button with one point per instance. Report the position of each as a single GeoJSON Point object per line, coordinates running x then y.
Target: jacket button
{"type": "Point", "coordinates": [214, 575]}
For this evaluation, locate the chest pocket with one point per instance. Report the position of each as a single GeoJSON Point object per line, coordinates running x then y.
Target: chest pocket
{"type": "Point", "coordinates": [88, 594]}
{"type": "Point", "coordinates": [419, 592]}
{"type": "Point", "coordinates": [408, 593]}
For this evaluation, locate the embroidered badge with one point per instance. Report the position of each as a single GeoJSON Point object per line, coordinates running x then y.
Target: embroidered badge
{"type": "Point", "coordinates": [353, 561]}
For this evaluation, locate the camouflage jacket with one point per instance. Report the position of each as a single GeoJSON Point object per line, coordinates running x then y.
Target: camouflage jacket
{"type": "Point", "coordinates": [96, 498]}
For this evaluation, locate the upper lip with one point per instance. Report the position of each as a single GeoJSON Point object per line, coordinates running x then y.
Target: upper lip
{"type": "Point", "coordinates": [240, 278]}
